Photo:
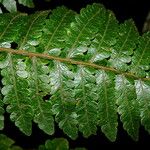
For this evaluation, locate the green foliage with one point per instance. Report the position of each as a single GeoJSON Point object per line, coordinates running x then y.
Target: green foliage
{"type": "Point", "coordinates": [11, 5]}
{"type": "Point", "coordinates": [80, 70]}
{"type": "Point", "coordinates": [28, 3]}
{"type": "Point", "coordinates": [57, 144]}
{"type": "Point", "coordinates": [7, 143]}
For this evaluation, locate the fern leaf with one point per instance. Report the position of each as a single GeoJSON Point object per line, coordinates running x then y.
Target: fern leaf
{"type": "Point", "coordinates": [107, 112]}
{"type": "Point", "coordinates": [39, 87]}
{"type": "Point", "coordinates": [105, 39]}
{"type": "Point", "coordinates": [86, 106]}
{"type": "Point", "coordinates": [123, 50]}
{"type": "Point", "coordinates": [141, 59]}
{"type": "Point", "coordinates": [10, 5]}
{"type": "Point", "coordinates": [28, 3]}
{"type": "Point", "coordinates": [10, 28]}
{"type": "Point", "coordinates": [127, 105]}
{"type": "Point", "coordinates": [143, 90]}
{"type": "Point", "coordinates": [32, 31]}
{"type": "Point", "coordinates": [58, 143]}
{"type": "Point", "coordinates": [16, 96]}
{"type": "Point", "coordinates": [7, 143]}
{"type": "Point", "coordinates": [82, 30]}
{"type": "Point", "coordinates": [62, 99]}
{"type": "Point", "coordinates": [55, 29]}
{"type": "Point", "coordinates": [77, 69]}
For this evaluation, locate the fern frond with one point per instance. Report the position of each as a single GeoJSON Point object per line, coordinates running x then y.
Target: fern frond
{"type": "Point", "coordinates": [128, 106]}
{"type": "Point", "coordinates": [83, 30]}
{"type": "Point", "coordinates": [11, 5]}
{"type": "Point", "coordinates": [39, 87]}
{"type": "Point", "coordinates": [10, 28]}
{"type": "Point", "coordinates": [86, 97]}
{"type": "Point", "coordinates": [16, 95]}
{"type": "Point", "coordinates": [28, 3]}
{"type": "Point", "coordinates": [141, 58]}
{"type": "Point", "coordinates": [55, 29]}
{"type": "Point", "coordinates": [7, 143]}
{"type": "Point", "coordinates": [81, 70]}
{"type": "Point", "coordinates": [59, 143]}
{"type": "Point", "coordinates": [31, 31]}
{"type": "Point", "coordinates": [107, 110]}
{"type": "Point", "coordinates": [124, 48]}
{"type": "Point", "coordinates": [63, 98]}
{"type": "Point", "coordinates": [143, 97]}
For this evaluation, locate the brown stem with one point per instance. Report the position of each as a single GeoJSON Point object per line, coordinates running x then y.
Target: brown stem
{"type": "Point", "coordinates": [68, 60]}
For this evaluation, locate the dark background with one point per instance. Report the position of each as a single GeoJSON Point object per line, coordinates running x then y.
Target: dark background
{"type": "Point", "coordinates": [123, 10]}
